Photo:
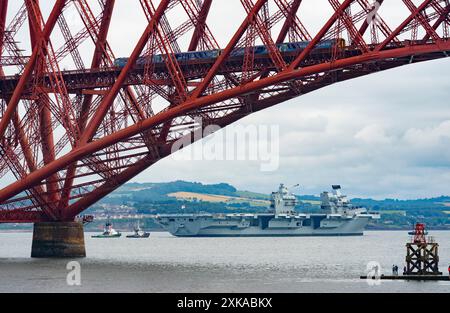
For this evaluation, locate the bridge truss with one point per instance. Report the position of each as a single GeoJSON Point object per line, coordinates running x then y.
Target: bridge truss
{"type": "Point", "coordinates": [69, 137]}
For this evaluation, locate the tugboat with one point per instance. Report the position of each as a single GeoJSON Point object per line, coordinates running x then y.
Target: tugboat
{"type": "Point", "coordinates": [139, 233]}
{"type": "Point", "coordinates": [108, 232]}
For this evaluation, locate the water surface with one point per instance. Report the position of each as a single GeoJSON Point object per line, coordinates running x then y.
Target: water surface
{"type": "Point", "coordinates": [164, 263]}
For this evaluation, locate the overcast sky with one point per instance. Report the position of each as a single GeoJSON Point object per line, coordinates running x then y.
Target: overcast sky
{"type": "Point", "coordinates": [383, 135]}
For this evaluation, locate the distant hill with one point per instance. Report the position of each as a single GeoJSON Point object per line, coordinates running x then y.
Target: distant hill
{"type": "Point", "coordinates": [388, 204]}
{"type": "Point", "coordinates": [161, 191]}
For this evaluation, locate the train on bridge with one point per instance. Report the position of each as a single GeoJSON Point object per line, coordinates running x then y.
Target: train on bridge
{"type": "Point", "coordinates": [260, 50]}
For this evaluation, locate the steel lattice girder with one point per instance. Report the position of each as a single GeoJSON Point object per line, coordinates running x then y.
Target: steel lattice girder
{"type": "Point", "coordinates": [87, 131]}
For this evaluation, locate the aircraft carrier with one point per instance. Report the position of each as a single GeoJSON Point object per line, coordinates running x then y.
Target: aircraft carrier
{"type": "Point", "coordinates": [339, 218]}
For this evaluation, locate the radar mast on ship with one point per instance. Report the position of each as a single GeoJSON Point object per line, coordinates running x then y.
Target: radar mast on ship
{"type": "Point", "coordinates": [337, 203]}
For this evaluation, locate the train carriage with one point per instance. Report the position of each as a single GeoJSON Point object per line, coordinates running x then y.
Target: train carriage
{"type": "Point", "coordinates": [260, 50]}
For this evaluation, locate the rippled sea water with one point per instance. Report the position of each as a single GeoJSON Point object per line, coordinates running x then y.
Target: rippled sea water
{"type": "Point", "coordinates": [164, 263]}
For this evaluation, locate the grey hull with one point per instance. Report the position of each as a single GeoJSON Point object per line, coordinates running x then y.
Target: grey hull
{"type": "Point", "coordinates": [269, 235]}
{"type": "Point", "coordinates": [204, 226]}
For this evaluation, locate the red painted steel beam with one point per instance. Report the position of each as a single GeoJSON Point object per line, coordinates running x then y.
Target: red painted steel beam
{"type": "Point", "coordinates": [289, 21]}
{"type": "Point", "coordinates": [45, 119]}
{"type": "Point", "coordinates": [3, 14]}
{"type": "Point", "coordinates": [33, 23]}
{"type": "Point", "coordinates": [403, 25]}
{"type": "Point", "coordinates": [442, 18]}
{"type": "Point", "coordinates": [286, 76]}
{"type": "Point", "coordinates": [20, 216]}
{"type": "Point", "coordinates": [100, 46]}
{"type": "Point", "coordinates": [114, 91]}
{"type": "Point", "coordinates": [264, 34]}
{"type": "Point", "coordinates": [137, 105]}
{"type": "Point", "coordinates": [296, 63]}
{"type": "Point", "coordinates": [108, 187]}
{"type": "Point", "coordinates": [21, 134]}
{"type": "Point", "coordinates": [167, 47]}
{"type": "Point", "coordinates": [27, 73]}
{"type": "Point", "coordinates": [29, 159]}
{"type": "Point", "coordinates": [200, 31]}
{"type": "Point", "coordinates": [96, 61]}
{"type": "Point", "coordinates": [226, 52]}
{"type": "Point", "coordinates": [285, 29]}
{"type": "Point", "coordinates": [200, 28]}
{"type": "Point", "coordinates": [99, 53]}
{"type": "Point", "coordinates": [24, 143]}
{"type": "Point", "coordinates": [365, 25]}
{"type": "Point", "coordinates": [422, 21]}
{"type": "Point", "coordinates": [346, 20]}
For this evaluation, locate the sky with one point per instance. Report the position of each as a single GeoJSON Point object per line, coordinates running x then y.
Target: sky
{"type": "Point", "coordinates": [386, 135]}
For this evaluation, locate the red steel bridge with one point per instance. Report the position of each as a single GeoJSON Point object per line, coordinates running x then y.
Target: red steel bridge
{"type": "Point", "coordinates": [74, 127]}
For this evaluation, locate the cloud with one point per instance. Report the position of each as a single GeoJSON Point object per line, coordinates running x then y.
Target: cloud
{"type": "Point", "coordinates": [373, 134]}
{"type": "Point", "coordinates": [429, 136]}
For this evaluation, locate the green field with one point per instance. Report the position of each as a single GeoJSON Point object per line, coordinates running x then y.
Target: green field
{"type": "Point", "coordinates": [192, 196]}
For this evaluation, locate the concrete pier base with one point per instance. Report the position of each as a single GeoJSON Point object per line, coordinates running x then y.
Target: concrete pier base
{"type": "Point", "coordinates": [58, 240]}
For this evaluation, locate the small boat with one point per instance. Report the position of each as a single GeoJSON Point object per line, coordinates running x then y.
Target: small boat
{"type": "Point", "coordinates": [139, 233]}
{"type": "Point", "coordinates": [109, 232]}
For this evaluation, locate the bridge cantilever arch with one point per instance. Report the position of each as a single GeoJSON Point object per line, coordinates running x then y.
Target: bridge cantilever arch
{"type": "Point", "coordinates": [75, 125]}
